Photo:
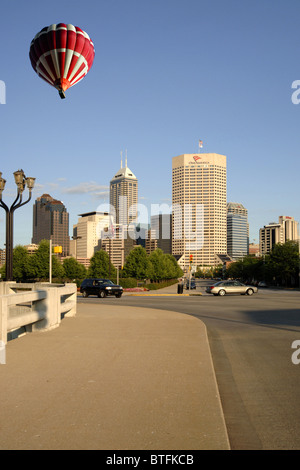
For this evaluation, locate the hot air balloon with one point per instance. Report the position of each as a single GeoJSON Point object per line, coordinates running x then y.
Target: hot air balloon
{"type": "Point", "coordinates": [62, 54]}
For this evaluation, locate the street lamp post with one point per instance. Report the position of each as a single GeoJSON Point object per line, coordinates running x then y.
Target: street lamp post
{"type": "Point", "coordinates": [21, 182]}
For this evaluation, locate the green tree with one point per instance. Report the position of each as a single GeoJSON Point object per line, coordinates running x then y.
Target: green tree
{"type": "Point", "coordinates": [283, 262]}
{"type": "Point", "coordinates": [99, 265]}
{"type": "Point", "coordinates": [175, 270]}
{"type": "Point", "coordinates": [20, 263]}
{"type": "Point", "coordinates": [38, 266]}
{"type": "Point", "coordinates": [159, 268]}
{"type": "Point", "coordinates": [137, 264]}
{"type": "Point", "coordinates": [73, 269]}
{"type": "Point", "coordinates": [218, 271]}
{"type": "Point", "coordinates": [3, 272]}
{"type": "Point", "coordinates": [163, 266]}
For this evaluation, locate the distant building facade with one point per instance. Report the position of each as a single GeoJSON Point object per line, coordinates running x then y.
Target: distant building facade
{"type": "Point", "coordinates": [150, 242]}
{"type": "Point", "coordinates": [286, 229]}
{"type": "Point", "coordinates": [124, 195]}
{"type": "Point", "coordinates": [237, 231]}
{"type": "Point", "coordinates": [87, 235]}
{"type": "Point", "coordinates": [117, 244]}
{"type": "Point", "coordinates": [51, 222]}
{"type": "Point", "coordinates": [2, 257]}
{"type": "Point", "coordinates": [254, 249]}
{"type": "Point", "coordinates": [161, 230]}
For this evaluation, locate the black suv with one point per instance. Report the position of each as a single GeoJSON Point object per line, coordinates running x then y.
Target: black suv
{"type": "Point", "coordinates": [100, 287]}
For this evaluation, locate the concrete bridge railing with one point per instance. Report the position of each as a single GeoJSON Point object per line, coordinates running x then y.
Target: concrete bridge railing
{"type": "Point", "coordinates": [31, 307]}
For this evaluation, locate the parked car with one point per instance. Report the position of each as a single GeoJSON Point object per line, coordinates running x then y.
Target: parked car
{"type": "Point", "coordinates": [262, 284]}
{"type": "Point", "coordinates": [100, 287]}
{"type": "Point", "coordinates": [190, 284]}
{"type": "Point", "coordinates": [230, 287]}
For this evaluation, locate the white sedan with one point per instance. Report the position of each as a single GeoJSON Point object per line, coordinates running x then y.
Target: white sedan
{"type": "Point", "coordinates": [231, 287]}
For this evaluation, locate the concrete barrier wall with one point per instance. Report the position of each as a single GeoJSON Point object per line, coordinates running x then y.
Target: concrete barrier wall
{"type": "Point", "coordinates": [37, 306]}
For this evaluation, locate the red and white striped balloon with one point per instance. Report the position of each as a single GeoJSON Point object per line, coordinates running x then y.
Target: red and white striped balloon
{"type": "Point", "coordinates": [62, 54]}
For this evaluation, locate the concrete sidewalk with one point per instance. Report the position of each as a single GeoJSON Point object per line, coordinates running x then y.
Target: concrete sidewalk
{"type": "Point", "coordinates": [170, 290]}
{"type": "Point", "coordinates": [112, 378]}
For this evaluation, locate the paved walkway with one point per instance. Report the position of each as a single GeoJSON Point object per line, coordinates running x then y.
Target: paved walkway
{"type": "Point", "coordinates": [170, 290]}
{"type": "Point", "coordinates": [112, 378]}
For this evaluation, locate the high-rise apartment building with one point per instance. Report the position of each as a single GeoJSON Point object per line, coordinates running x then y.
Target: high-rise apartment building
{"type": "Point", "coordinates": [199, 226]}
{"type": "Point", "coordinates": [87, 234]}
{"type": "Point", "coordinates": [124, 195]}
{"type": "Point", "coordinates": [51, 222]}
{"type": "Point", "coordinates": [237, 230]}
{"type": "Point", "coordinates": [286, 229]}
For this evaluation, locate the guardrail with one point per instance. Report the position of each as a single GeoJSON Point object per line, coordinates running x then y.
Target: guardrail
{"type": "Point", "coordinates": [32, 307]}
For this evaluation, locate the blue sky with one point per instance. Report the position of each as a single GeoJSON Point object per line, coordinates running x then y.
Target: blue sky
{"type": "Point", "coordinates": [166, 74]}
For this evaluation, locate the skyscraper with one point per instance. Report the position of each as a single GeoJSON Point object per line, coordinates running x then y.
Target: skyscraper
{"type": "Point", "coordinates": [51, 222]}
{"type": "Point", "coordinates": [199, 208]}
{"type": "Point", "coordinates": [124, 195]}
{"type": "Point", "coordinates": [237, 230]}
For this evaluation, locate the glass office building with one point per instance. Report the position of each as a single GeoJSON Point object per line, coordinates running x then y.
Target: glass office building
{"type": "Point", "coordinates": [237, 230]}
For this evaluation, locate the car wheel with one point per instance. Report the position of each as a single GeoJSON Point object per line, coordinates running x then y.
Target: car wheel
{"type": "Point", "coordinates": [250, 292]}
{"type": "Point", "coordinates": [221, 292]}
{"type": "Point", "coordinates": [102, 294]}
{"type": "Point", "coordinates": [85, 294]}
{"type": "Point", "coordinates": [118, 296]}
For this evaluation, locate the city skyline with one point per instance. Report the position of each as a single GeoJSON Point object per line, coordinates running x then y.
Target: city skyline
{"type": "Point", "coordinates": [105, 205]}
{"type": "Point", "coordinates": [172, 73]}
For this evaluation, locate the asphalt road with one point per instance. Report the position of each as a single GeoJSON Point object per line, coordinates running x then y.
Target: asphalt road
{"type": "Point", "coordinates": [251, 343]}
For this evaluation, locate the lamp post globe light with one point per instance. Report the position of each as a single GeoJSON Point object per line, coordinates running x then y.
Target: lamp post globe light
{"type": "Point", "coordinates": [21, 181]}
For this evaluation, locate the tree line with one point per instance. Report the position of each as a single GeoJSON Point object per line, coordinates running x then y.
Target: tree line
{"type": "Point", "coordinates": [157, 266]}
{"type": "Point", "coordinates": [280, 267]}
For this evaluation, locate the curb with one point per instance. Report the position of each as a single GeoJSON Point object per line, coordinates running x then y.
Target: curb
{"type": "Point", "coordinates": [161, 295]}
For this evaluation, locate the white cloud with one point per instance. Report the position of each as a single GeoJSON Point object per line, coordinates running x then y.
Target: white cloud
{"type": "Point", "coordinates": [88, 187]}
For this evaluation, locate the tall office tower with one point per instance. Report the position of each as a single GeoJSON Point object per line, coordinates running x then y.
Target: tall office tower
{"type": "Point", "coordinates": [286, 229]}
{"type": "Point", "coordinates": [237, 230]}
{"type": "Point", "coordinates": [51, 222]}
{"type": "Point", "coordinates": [124, 195]}
{"type": "Point", "coordinates": [87, 234]}
{"type": "Point", "coordinates": [161, 230]}
{"type": "Point", "coordinates": [199, 208]}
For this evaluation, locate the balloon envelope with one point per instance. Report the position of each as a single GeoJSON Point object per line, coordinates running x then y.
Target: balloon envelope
{"type": "Point", "coordinates": [62, 54]}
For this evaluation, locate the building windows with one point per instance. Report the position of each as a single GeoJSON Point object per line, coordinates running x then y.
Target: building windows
{"type": "Point", "coordinates": [201, 186]}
